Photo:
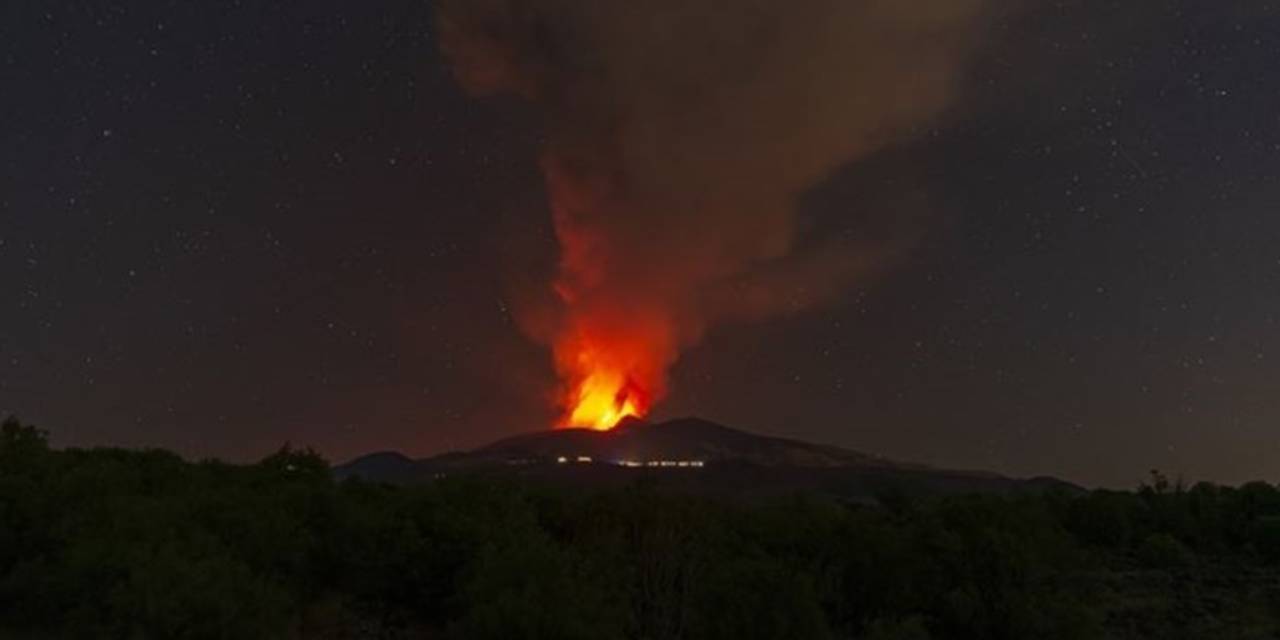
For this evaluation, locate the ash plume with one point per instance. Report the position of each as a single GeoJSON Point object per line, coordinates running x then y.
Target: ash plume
{"type": "Point", "coordinates": [680, 134]}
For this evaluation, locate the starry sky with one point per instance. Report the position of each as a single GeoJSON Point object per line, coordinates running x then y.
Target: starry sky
{"type": "Point", "coordinates": [227, 225]}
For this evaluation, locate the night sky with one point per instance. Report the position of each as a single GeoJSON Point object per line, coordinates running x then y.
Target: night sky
{"type": "Point", "coordinates": [228, 225]}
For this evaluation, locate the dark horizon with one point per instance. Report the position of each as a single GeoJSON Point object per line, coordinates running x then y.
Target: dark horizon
{"type": "Point", "coordinates": [227, 227]}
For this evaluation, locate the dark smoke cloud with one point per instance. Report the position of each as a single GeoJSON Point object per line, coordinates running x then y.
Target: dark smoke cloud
{"type": "Point", "coordinates": [682, 132]}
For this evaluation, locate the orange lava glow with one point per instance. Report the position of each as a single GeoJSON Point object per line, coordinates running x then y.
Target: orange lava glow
{"type": "Point", "coordinates": [602, 400]}
{"type": "Point", "coordinates": [615, 341]}
{"type": "Point", "coordinates": [603, 381]}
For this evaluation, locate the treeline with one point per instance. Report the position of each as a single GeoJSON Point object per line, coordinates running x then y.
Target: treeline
{"type": "Point", "coordinates": [108, 543]}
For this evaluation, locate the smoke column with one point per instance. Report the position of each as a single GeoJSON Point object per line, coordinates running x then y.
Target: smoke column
{"type": "Point", "coordinates": [680, 134]}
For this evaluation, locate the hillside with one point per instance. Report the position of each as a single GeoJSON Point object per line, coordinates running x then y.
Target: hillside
{"type": "Point", "coordinates": [692, 455]}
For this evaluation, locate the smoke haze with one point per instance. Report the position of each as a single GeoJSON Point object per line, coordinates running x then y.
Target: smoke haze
{"type": "Point", "coordinates": [680, 135]}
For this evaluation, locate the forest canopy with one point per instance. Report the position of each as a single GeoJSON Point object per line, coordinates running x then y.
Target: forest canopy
{"type": "Point", "coordinates": [143, 544]}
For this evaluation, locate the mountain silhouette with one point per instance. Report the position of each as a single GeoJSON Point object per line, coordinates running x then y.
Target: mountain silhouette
{"type": "Point", "coordinates": [690, 454]}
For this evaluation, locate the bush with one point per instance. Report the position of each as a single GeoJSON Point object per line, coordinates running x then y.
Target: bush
{"type": "Point", "coordinates": [1163, 551]}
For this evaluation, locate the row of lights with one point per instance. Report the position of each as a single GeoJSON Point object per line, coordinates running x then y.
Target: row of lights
{"type": "Point", "coordinates": [661, 463]}
{"type": "Point", "coordinates": [637, 463]}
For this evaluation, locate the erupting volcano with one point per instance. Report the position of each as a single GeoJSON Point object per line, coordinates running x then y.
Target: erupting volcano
{"type": "Point", "coordinates": [678, 138]}
{"type": "Point", "coordinates": [611, 367]}
{"type": "Point", "coordinates": [612, 344]}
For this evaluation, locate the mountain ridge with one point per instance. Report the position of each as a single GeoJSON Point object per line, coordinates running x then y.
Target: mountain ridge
{"type": "Point", "coordinates": [689, 454]}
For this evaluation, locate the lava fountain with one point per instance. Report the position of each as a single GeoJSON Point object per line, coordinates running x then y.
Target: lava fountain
{"type": "Point", "coordinates": [615, 338]}
{"type": "Point", "coordinates": [611, 365]}
{"type": "Point", "coordinates": [602, 399]}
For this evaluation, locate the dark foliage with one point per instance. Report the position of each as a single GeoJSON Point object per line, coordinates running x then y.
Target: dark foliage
{"type": "Point", "coordinates": [141, 544]}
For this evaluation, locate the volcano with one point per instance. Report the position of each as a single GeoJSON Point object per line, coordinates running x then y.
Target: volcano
{"type": "Point", "coordinates": [692, 455]}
